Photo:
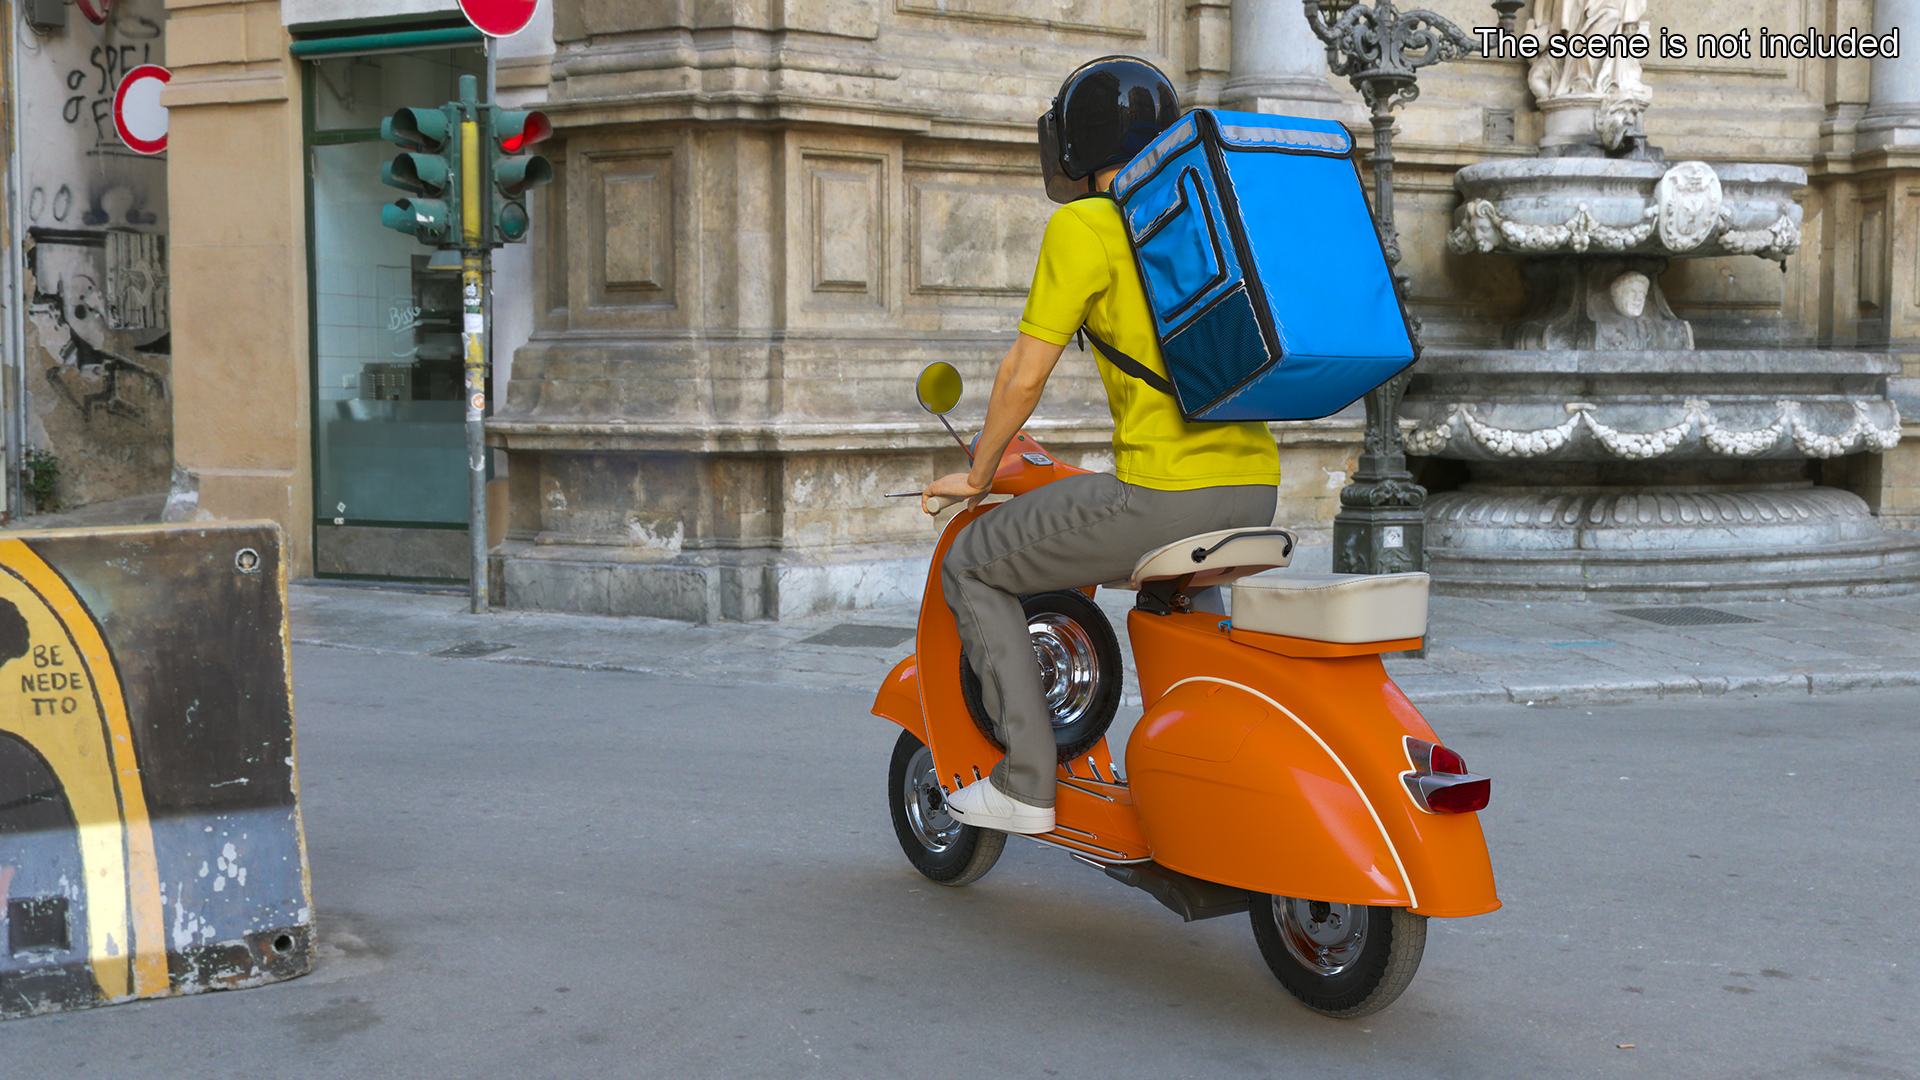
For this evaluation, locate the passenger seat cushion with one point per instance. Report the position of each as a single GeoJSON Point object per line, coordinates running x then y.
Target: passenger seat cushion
{"type": "Point", "coordinates": [1342, 608]}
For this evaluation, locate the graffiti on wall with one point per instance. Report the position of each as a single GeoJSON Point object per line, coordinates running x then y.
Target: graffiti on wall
{"type": "Point", "coordinates": [94, 298]}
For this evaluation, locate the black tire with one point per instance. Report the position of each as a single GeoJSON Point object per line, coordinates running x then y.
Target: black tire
{"type": "Point", "coordinates": [1079, 657]}
{"type": "Point", "coordinates": [941, 848]}
{"type": "Point", "coordinates": [1340, 960]}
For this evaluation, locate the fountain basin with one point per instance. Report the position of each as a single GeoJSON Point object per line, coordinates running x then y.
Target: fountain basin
{"type": "Point", "coordinates": [1655, 474]}
{"type": "Point", "coordinates": [1587, 205]}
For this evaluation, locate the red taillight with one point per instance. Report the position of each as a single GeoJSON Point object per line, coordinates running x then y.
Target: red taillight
{"type": "Point", "coordinates": [1439, 781]}
{"type": "Point", "coordinates": [1460, 796]}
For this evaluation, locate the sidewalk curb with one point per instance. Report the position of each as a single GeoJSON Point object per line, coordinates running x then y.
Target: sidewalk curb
{"type": "Point", "coordinates": [1485, 693]}
{"type": "Point", "coordinates": [1595, 693]}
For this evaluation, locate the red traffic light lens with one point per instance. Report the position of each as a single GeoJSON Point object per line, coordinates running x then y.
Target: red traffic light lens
{"type": "Point", "coordinates": [537, 128]}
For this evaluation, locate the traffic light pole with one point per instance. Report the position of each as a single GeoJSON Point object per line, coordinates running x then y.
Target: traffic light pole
{"type": "Point", "coordinates": [473, 340]}
{"type": "Point", "coordinates": [453, 207]}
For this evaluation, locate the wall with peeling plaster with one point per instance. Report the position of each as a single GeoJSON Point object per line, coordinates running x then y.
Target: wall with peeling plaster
{"type": "Point", "coordinates": [98, 335]}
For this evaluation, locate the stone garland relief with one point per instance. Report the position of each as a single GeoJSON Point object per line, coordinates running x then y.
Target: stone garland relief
{"type": "Point", "coordinates": [1688, 211]}
{"type": "Point", "coordinates": [1649, 445]}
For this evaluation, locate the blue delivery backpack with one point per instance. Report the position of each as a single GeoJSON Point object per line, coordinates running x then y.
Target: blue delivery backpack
{"type": "Point", "coordinates": [1269, 290]}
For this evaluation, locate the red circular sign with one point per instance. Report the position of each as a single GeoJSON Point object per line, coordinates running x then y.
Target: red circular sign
{"type": "Point", "coordinates": [137, 112]}
{"type": "Point", "coordinates": [499, 18]}
{"type": "Point", "coordinates": [96, 11]}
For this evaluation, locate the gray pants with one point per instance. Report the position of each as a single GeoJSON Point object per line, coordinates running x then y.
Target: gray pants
{"type": "Point", "coordinates": [1079, 531]}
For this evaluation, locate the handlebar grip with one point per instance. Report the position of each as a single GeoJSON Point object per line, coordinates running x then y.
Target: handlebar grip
{"type": "Point", "coordinates": [937, 503]}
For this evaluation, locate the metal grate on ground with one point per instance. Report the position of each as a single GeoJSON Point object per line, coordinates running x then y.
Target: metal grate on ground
{"type": "Point", "coordinates": [857, 636]}
{"type": "Point", "coordinates": [467, 650]}
{"type": "Point", "coordinates": [1684, 616]}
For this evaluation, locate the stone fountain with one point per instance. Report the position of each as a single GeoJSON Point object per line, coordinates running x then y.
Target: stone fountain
{"type": "Point", "coordinates": [1606, 456]}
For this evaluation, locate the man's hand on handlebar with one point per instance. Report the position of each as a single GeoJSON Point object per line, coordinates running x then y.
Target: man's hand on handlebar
{"type": "Point", "coordinates": [950, 489]}
{"type": "Point", "coordinates": [1016, 390]}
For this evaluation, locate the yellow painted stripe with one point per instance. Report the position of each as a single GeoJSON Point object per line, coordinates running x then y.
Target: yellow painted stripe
{"type": "Point", "coordinates": [142, 917]}
{"type": "Point", "coordinates": [470, 182]}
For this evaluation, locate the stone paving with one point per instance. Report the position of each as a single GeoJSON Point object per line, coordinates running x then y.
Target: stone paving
{"type": "Point", "coordinates": [1479, 651]}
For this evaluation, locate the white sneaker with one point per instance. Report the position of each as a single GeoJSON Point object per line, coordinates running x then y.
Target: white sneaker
{"type": "Point", "coordinates": [983, 806]}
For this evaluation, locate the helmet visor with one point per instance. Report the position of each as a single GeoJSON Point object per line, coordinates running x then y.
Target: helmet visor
{"type": "Point", "coordinates": [1059, 188]}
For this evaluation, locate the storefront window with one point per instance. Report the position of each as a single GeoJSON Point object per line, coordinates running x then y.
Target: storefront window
{"type": "Point", "coordinates": [390, 443]}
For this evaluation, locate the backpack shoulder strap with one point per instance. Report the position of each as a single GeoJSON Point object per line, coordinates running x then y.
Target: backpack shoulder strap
{"type": "Point", "coordinates": [1129, 365]}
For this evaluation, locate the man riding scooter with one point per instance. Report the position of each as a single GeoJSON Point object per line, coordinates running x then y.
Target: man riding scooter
{"type": "Point", "coordinates": [1172, 478]}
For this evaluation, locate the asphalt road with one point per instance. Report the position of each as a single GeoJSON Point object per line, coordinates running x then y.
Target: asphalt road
{"type": "Point", "coordinates": [535, 872]}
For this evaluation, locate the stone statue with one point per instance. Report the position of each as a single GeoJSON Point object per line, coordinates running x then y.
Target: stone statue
{"type": "Point", "coordinates": [1612, 85]}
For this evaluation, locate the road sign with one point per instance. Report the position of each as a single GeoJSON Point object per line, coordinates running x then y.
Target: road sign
{"type": "Point", "coordinates": [137, 112]}
{"type": "Point", "coordinates": [96, 11]}
{"type": "Point", "coordinates": [498, 18]}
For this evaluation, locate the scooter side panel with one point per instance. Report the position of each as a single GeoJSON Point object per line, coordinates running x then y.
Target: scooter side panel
{"type": "Point", "coordinates": [1232, 791]}
{"type": "Point", "coordinates": [1361, 717]}
{"type": "Point", "coordinates": [899, 698]}
{"type": "Point", "coordinates": [1092, 819]}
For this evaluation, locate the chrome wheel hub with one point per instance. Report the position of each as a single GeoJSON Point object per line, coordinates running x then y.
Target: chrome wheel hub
{"type": "Point", "coordinates": [1069, 666]}
{"type": "Point", "coordinates": [927, 805]}
{"type": "Point", "coordinates": [1325, 938]}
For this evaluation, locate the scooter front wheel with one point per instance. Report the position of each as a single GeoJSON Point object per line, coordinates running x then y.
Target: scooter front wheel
{"type": "Point", "coordinates": [941, 848]}
{"type": "Point", "coordinates": [1341, 960]}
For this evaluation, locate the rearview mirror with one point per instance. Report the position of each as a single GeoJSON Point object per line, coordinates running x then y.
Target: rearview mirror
{"type": "Point", "coordinates": [939, 388]}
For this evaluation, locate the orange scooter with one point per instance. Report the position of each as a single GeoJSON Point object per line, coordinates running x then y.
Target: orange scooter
{"type": "Point", "coordinates": [1276, 770]}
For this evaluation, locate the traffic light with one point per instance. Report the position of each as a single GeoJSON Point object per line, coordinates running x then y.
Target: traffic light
{"type": "Point", "coordinates": [429, 169]}
{"type": "Point", "coordinates": [514, 170]}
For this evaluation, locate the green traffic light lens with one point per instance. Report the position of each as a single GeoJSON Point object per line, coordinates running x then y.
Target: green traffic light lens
{"type": "Point", "coordinates": [513, 221]}
{"type": "Point", "coordinates": [394, 216]}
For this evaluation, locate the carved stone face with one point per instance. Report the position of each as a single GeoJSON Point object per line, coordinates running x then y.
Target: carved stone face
{"type": "Point", "coordinates": [1629, 293]}
{"type": "Point", "coordinates": [1688, 198]}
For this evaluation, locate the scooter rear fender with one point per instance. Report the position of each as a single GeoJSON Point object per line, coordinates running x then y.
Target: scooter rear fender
{"type": "Point", "coordinates": [1282, 775]}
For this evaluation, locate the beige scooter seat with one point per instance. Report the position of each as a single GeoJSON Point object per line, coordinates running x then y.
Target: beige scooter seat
{"type": "Point", "coordinates": [1214, 558]}
{"type": "Point", "coordinates": [1345, 609]}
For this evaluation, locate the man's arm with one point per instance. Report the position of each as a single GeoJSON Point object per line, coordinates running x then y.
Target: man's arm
{"type": "Point", "coordinates": [1016, 390]}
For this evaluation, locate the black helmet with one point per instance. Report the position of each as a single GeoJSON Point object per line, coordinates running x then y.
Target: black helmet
{"type": "Point", "coordinates": [1106, 112]}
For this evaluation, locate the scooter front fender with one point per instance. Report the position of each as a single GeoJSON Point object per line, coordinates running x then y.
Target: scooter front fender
{"type": "Point", "coordinates": [899, 698]}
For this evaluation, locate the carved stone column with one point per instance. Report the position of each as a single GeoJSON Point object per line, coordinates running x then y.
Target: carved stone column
{"type": "Point", "coordinates": [1279, 66]}
{"type": "Point", "coordinates": [1893, 111]}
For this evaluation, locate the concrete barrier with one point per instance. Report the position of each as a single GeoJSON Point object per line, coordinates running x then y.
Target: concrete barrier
{"type": "Point", "coordinates": [150, 837]}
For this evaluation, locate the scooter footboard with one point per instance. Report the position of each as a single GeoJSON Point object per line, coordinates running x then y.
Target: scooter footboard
{"type": "Point", "coordinates": [1235, 788]}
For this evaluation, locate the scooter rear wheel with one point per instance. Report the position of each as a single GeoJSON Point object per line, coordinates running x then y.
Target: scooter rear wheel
{"type": "Point", "coordinates": [941, 848]}
{"type": "Point", "coordinates": [1340, 960]}
{"type": "Point", "coordinates": [1079, 658]}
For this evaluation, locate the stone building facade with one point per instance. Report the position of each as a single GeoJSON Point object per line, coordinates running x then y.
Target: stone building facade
{"type": "Point", "coordinates": [772, 215]}
{"type": "Point", "coordinates": [769, 215]}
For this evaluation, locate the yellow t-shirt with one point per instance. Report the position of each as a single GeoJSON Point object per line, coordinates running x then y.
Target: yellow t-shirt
{"type": "Point", "coordinates": [1086, 275]}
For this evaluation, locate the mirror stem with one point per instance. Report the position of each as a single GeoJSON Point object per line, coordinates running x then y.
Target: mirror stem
{"type": "Point", "coordinates": [956, 435]}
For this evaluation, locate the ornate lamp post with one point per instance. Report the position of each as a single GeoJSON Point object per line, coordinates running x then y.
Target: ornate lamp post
{"type": "Point", "coordinates": [1380, 528]}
